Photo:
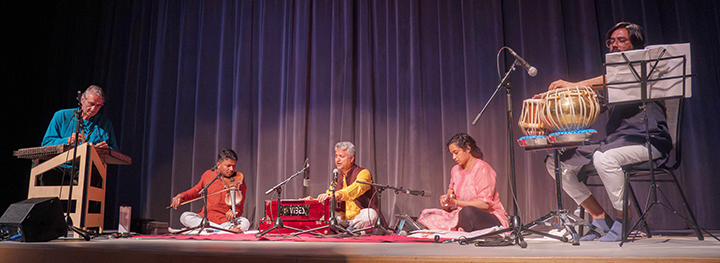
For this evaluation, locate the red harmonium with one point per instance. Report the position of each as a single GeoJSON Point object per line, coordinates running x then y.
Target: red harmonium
{"type": "Point", "coordinates": [300, 214]}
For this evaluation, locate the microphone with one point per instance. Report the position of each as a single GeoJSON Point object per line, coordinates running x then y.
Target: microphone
{"type": "Point", "coordinates": [334, 181]}
{"type": "Point", "coordinates": [532, 71]}
{"type": "Point", "coordinates": [336, 172]}
{"type": "Point", "coordinates": [306, 180]}
{"type": "Point", "coordinates": [78, 112]}
{"type": "Point", "coordinates": [417, 192]}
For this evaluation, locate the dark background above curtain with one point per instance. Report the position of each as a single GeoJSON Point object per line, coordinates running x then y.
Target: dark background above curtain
{"type": "Point", "coordinates": [282, 81]}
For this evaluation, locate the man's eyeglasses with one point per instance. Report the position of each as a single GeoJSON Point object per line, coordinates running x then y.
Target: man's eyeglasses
{"type": "Point", "coordinates": [621, 41]}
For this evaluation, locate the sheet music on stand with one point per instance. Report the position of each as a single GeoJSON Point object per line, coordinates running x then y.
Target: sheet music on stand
{"type": "Point", "coordinates": [668, 71]}
{"type": "Point", "coordinates": [656, 73]}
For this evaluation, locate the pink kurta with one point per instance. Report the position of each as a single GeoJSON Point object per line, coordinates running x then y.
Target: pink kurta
{"type": "Point", "coordinates": [477, 184]}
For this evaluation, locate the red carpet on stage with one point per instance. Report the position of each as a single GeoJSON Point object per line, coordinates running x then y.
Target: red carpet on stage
{"type": "Point", "coordinates": [300, 238]}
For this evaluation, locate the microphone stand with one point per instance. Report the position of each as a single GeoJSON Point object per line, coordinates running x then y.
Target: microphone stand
{"type": "Point", "coordinates": [379, 188]}
{"type": "Point", "coordinates": [515, 223]}
{"type": "Point", "coordinates": [278, 224]}
{"type": "Point", "coordinates": [205, 223]}
{"type": "Point", "coordinates": [233, 204]}
{"type": "Point", "coordinates": [397, 189]}
{"type": "Point", "coordinates": [78, 127]}
{"type": "Point", "coordinates": [332, 222]}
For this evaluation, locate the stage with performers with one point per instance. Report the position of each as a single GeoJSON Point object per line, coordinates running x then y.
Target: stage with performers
{"type": "Point", "coordinates": [360, 131]}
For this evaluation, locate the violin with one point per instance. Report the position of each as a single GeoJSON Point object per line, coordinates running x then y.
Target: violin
{"type": "Point", "coordinates": [232, 184]}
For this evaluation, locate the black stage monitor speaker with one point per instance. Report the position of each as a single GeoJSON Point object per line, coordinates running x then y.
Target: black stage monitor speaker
{"type": "Point", "coordinates": [37, 219]}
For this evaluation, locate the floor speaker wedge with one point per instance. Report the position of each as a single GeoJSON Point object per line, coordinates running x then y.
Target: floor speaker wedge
{"type": "Point", "coordinates": [36, 219]}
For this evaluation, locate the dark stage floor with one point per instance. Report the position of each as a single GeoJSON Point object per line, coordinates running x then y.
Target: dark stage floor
{"type": "Point", "coordinates": [659, 248]}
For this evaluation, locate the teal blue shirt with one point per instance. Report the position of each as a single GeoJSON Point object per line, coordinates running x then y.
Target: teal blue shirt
{"type": "Point", "coordinates": [63, 125]}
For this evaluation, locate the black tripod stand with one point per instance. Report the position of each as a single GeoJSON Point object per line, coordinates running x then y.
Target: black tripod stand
{"type": "Point", "coordinates": [205, 223]}
{"type": "Point", "coordinates": [278, 224]}
{"type": "Point", "coordinates": [333, 224]}
{"type": "Point", "coordinates": [516, 226]}
{"type": "Point", "coordinates": [566, 219]}
{"type": "Point", "coordinates": [380, 222]}
{"type": "Point", "coordinates": [379, 188]}
{"type": "Point", "coordinates": [78, 128]}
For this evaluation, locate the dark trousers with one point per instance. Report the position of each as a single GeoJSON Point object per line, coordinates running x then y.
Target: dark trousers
{"type": "Point", "coordinates": [472, 218]}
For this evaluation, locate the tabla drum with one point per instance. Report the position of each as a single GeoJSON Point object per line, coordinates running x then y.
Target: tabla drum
{"type": "Point", "coordinates": [530, 122]}
{"type": "Point", "coordinates": [570, 108]}
{"type": "Point", "coordinates": [569, 112]}
{"type": "Point", "coordinates": [531, 125]}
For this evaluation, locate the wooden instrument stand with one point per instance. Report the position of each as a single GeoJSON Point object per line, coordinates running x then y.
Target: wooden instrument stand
{"type": "Point", "coordinates": [88, 201]}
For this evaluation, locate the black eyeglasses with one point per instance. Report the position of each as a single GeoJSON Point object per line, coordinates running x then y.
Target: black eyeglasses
{"type": "Point", "coordinates": [621, 41]}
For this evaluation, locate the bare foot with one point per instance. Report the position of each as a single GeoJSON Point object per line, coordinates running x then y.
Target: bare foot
{"type": "Point", "coordinates": [236, 229]}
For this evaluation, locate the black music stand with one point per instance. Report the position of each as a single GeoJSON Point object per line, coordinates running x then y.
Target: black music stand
{"type": "Point", "coordinates": [643, 79]}
{"type": "Point", "coordinates": [278, 223]}
{"type": "Point", "coordinates": [205, 223]}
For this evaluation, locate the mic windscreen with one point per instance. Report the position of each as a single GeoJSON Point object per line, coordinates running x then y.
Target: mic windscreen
{"type": "Point", "coordinates": [336, 171]}
{"type": "Point", "coordinates": [306, 180]}
{"type": "Point", "coordinates": [427, 193]}
{"type": "Point", "coordinates": [532, 71]}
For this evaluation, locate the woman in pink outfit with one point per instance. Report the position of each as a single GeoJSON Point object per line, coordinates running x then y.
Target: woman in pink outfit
{"type": "Point", "coordinates": [471, 202]}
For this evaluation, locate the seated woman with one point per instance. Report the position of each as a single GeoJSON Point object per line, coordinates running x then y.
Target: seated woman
{"type": "Point", "coordinates": [472, 202]}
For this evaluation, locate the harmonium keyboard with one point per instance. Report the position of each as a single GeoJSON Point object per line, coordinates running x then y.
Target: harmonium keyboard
{"type": "Point", "coordinates": [110, 156]}
{"type": "Point", "coordinates": [295, 213]}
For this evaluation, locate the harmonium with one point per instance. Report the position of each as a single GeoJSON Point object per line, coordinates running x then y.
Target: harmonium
{"type": "Point", "coordinates": [295, 213]}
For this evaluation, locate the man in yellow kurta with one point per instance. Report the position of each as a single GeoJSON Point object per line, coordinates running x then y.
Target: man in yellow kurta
{"type": "Point", "coordinates": [360, 205]}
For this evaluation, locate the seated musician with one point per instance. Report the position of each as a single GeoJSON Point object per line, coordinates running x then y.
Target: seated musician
{"type": "Point", "coordinates": [359, 202]}
{"type": "Point", "coordinates": [97, 129]}
{"type": "Point", "coordinates": [472, 202]}
{"type": "Point", "coordinates": [623, 145]}
{"type": "Point", "coordinates": [219, 210]}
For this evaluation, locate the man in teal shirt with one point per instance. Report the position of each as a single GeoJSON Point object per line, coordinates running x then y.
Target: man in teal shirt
{"type": "Point", "coordinates": [97, 129]}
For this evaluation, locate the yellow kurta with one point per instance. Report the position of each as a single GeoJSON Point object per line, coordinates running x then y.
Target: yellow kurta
{"type": "Point", "coordinates": [352, 191]}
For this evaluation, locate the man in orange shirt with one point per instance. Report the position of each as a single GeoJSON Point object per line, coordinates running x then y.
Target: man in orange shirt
{"type": "Point", "coordinates": [219, 211]}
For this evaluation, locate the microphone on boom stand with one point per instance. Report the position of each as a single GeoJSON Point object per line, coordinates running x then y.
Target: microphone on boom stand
{"type": "Point", "coordinates": [306, 178]}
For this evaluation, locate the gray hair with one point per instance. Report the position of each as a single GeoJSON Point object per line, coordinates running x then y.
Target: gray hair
{"type": "Point", "coordinates": [97, 90]}
{"type": "Point", "coordinates": [346, 146]}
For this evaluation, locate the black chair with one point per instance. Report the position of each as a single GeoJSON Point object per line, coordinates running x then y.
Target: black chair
{"type": "Point", "coordinates": [640, 172]}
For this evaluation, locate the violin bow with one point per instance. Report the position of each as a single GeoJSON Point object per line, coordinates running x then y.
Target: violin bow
{"type": "Point", "coordinates": [198, 198]}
